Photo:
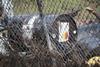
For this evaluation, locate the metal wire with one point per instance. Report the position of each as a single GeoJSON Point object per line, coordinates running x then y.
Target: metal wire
{"type": "Point", "coordinates": [32, 36]}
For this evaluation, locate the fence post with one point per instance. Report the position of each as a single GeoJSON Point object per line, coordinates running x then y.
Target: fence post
{"type": "Point", "coordinates": [40, 8]}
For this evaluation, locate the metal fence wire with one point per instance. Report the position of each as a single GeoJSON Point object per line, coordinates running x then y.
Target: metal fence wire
{"type": "Point", "coordinates": [49, 33]}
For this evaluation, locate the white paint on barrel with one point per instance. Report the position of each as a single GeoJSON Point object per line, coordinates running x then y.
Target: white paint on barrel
{"type": "Point", "coordinates": [63, 31]}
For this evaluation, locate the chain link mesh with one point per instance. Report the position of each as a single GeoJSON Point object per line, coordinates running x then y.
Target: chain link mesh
{"type": "Point", "coordinates": [48, 33]}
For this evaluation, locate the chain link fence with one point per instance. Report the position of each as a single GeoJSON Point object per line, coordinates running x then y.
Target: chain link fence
{"type": "Point", "coordinates": [50, 7]}
{"type": "Point", "coordinates": [48, 33]}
